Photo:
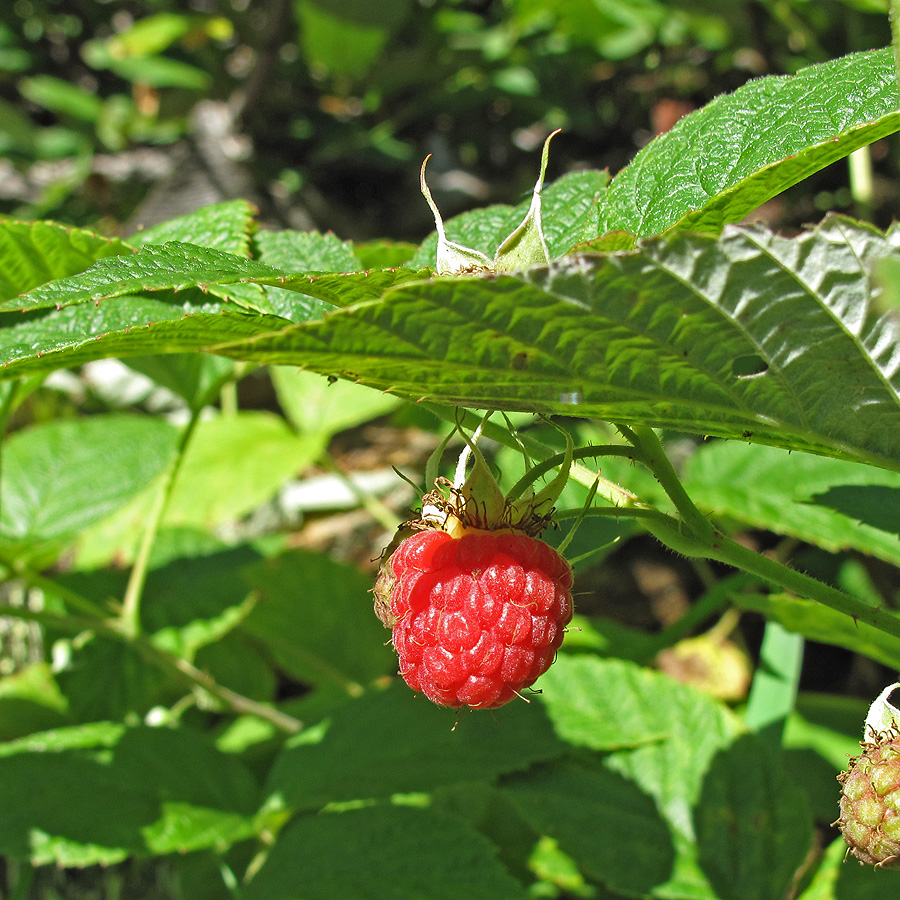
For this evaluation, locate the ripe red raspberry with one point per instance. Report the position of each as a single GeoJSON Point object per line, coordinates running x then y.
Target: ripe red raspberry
{"type": "Point", "coordinates": [476, 602]}
{"type": "Point", "coordinates": [477, 618]}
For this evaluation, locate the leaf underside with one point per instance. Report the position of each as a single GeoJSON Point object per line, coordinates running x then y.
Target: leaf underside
{"type": "Point", "coordinates": [749, 336]}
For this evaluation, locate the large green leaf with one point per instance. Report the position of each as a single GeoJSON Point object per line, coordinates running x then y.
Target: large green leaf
{"type": "Point", "coordinates": [721, 162]}
{"type": "Point", "coordinates": [223, 226]}
{"type": "Point", "coordinates": [99, 793]}
{"type": "Point", "coordinates": [170, 266]}
{"type": "Point", "coordinates": [748, 335]}
{"type": "Point", "coordinates": [306, 251]}
{"type": "Point", "coordinates": [396, 741]}
{"type": "Point", "coordinates": [384, 852]}
{"type": "Point", "coordinates": [232, 465]}
{"type": "Point", "coordinates": [174, 266]}
{"type": "Point", "coordinates": [833, 503]}
{"type": "Point", "coordinates": [34, 253]}
{"type": "Point", "coordinates": [61, 476]}
{"type": "Point", "coordinates": [130, 326]}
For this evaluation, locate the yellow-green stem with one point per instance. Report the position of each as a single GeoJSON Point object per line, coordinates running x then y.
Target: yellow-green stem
{"type": "Point", "coordinates": [130, 617]}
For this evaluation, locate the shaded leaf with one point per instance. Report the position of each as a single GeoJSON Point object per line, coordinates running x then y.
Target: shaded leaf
{"type": "Point", "coordinates": [30, 700]}
{"type": "Point", "coordinates": [838, 879]}
{"type": "Point", "coordinates": [724, 160]}
{"type": "Point", "coordinates": [92, 695]}
{"type": "Point", "coordinates": [753, 824]}
{"type": "Point", "coordinates": [123, 795]}
{"type": "Point", "coordinates": [396, 852]}
{"type": "Point", "coordinates": [583, 807]}
{"type": "Point", "coordinates": [315, 640]}
{"type": "Point", "coordinates": [34, 253]}
{"type": "Point", "coordinates": [395, 741]}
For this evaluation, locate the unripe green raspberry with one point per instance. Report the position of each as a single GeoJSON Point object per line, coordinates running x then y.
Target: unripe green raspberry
{"type": "Point", "coordinates": [870, 801]}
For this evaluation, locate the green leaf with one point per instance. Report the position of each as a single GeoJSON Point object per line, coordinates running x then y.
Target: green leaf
{"type": "Point", "coordinates": [579, 696]}
{"type": "Point", "coordinates": [97, 794]}
{"type": "Point", "coordinates": [175, 266]}
{"type": "Point", "coordinates": [61, 476]}
{"type": "Point", "coordinates": [252, 453]}
{"type": "Point", "coordinates": [753, 824]}
{"type": "Point", "coordinates": [170, 266]}
{"type": "Point", "coordinates": [749, 335]}
{"type": "Point", "coordinates": [835, 504]}
{"type": "Point", "coordinates": [34, 253]}
{"type": "Point", "coordinates": [223, 226]}
{"type": "Point", "coordinates": [315, 405]}
{"type": "Point", "coordinates": [818, 741]}
{"type": "Point", "coordinates": [828, 626]}
{"type": "Point", "coordinates": [384, 852]}
{"type": "Point", "coordinates": [306, 251]}
{"type": "Point", "coordinates": [91, 693]}
{"type": "Point", "coordinates": [30, 700]}
{"type": "Point", "coordinates": [154, 34]}
{"type": "Point", "coordinates": [838, 878]}
{"type": "Point", "coordinates": [160, 72]}
{"type": "Point", "coordinates": [339, 641]}
{"type": "Point", "coordinates": [569, 212]}
{"type": "Point", "coordinates": [131, 326]}
{"type": "Point", "coordinates": [62, 97]}
{"type": "Point", "coordinates": [196, 378]}
{"type": "Point", "coordinates": [721, 162]}
{"type": "Point", "coordinates": [395, 741]}
{"type": "Point", "coordinates": [346, 41]}
{"type": "Point", "coordinates": [582, 807]}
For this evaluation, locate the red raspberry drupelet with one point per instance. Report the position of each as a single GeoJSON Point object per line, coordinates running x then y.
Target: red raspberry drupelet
{"type": "Point", "coordinates": [476, 618]}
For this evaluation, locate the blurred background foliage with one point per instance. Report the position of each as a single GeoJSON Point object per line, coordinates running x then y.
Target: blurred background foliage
{"type": "Point", "coordinates": [115, 115]}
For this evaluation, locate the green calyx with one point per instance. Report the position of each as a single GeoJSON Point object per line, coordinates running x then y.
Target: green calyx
{"type": "Point", "coordinates": [524, 247]}
{"type": "Point", "coordinates": [475, 501]}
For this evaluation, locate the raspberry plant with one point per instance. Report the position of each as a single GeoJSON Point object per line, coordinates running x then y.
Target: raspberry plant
{"type": "Point", "coordinates": [148, 722]}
